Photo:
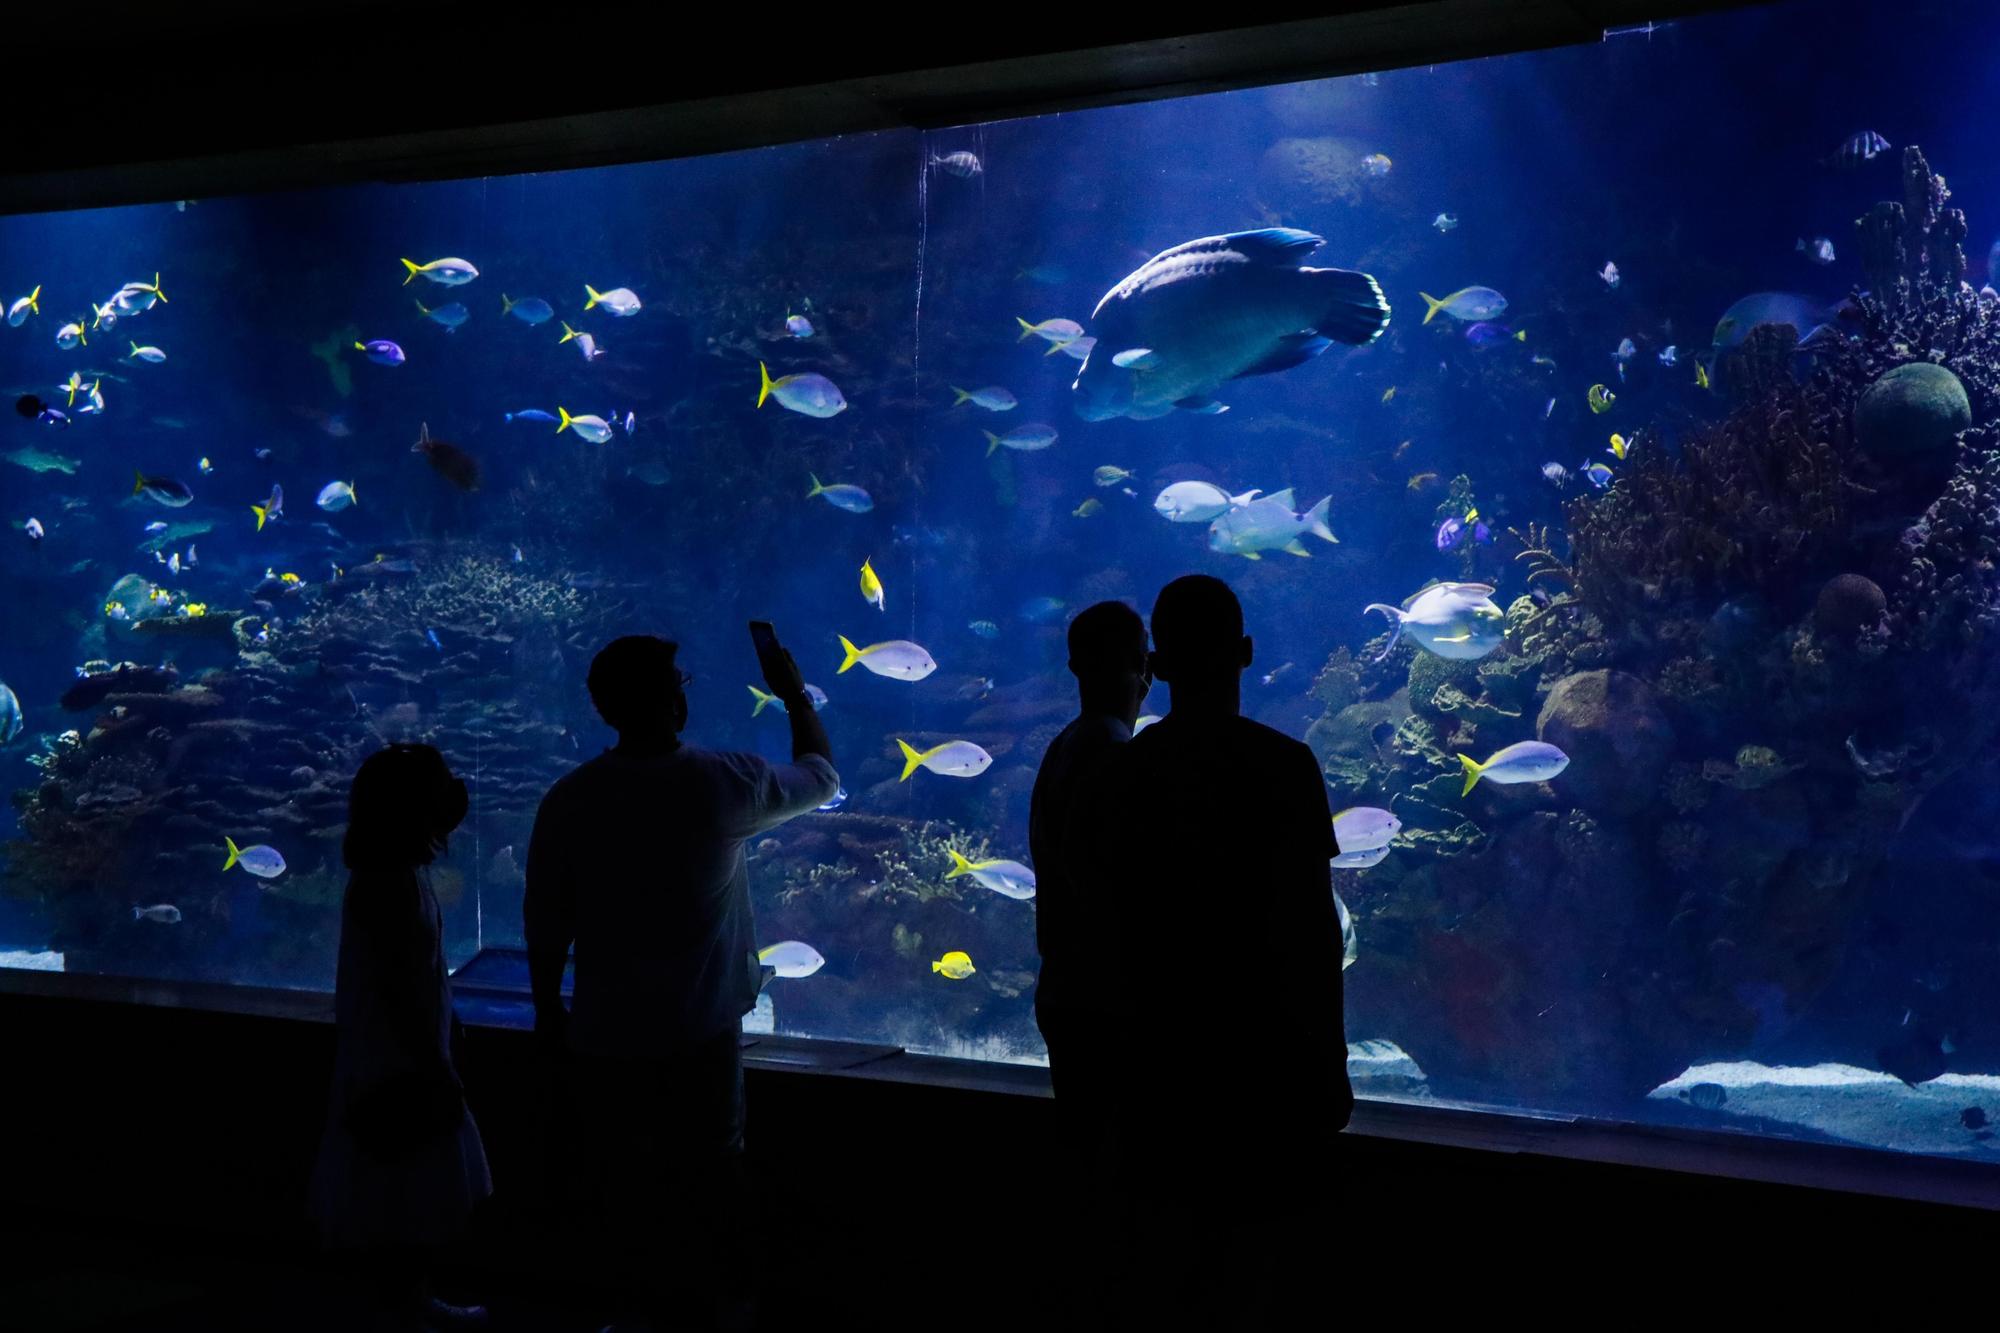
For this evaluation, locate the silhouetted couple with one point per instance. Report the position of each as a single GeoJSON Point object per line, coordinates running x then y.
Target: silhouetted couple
{"type": "Point", "coordinates": [1190, 993]}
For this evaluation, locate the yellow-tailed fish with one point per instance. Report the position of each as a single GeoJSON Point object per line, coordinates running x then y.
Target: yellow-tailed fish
{"type": "Point", "coordinates": [1700, 375]}
{"type": "Point", "coordinates": [1619, 446]}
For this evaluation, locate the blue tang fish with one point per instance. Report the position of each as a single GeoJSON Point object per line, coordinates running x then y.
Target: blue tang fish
{"type": "Point", "coordinates": [381, 351]}
{"type": "Point", "coordinates": [1216, 309]}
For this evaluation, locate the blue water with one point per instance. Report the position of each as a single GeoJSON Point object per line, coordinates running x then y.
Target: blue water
{"type": "Point", "coordinates": [1690, 158]}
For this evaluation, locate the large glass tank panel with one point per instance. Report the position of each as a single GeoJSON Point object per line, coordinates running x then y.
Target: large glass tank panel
{"type": "Point", "coordinates": [1672, 472]}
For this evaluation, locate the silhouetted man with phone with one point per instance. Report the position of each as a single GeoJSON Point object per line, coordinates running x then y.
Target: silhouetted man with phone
{"type": "Point", "coordinates": [1212, 843]}
{"type": "Point", "coordinates": [637, 859]}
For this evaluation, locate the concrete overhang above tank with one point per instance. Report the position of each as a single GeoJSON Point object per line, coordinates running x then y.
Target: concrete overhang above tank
{"type": "Point", "coordinates": [132, 102]}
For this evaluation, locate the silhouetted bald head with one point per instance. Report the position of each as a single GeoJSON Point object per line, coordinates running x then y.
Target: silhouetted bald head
{"type": "Point", "coordinates": [1198, 631]}
{"type": "Point", "coordinates": [1106, 640]}
{"type": "Point", "coordinates": [638, 687]}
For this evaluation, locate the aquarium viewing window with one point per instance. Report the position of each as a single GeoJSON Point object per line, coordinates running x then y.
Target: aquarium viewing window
{"type": "Point", "coordinates": [1619, 531]}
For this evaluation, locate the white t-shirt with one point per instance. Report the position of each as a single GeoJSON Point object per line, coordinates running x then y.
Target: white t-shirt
{"type": "Point", "coordinates": [646, 855]}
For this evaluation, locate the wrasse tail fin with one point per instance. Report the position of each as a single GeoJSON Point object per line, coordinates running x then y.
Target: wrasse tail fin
{"type": "Point", "coordinates": [1356, 310]}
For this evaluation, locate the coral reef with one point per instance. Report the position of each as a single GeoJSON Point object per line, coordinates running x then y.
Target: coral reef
{"type": "Point", "coordinates": [262, 748]}
{"type": "Point", "coordinates": [1848, 605]}
{"type": "Point", "coordinates": [1760, 650]}
{"type": "Point", "coordinates": [1617, 739]}
{"type": "Point", "coordinates": [1751, 504]}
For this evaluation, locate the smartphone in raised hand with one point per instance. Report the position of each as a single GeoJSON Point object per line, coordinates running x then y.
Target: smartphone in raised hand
{"type": "Point", "coordinates": [763, 638]}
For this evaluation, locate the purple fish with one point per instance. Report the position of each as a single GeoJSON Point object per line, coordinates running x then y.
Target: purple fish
{"type": "Point", "coordinates": [382, 352]}
{"type": "Point", "coordinates": [1450, 533]}
{"type": "Point", "coordinates": [1488, 334]}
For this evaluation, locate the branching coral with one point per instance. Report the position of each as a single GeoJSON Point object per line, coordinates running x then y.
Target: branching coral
{"type": "Point", "coordinates": [1944, 577]}
{"type": "Point", "coordinates": [1913, 250]}
{"type": "Point", "coordinates": [1752, 503]}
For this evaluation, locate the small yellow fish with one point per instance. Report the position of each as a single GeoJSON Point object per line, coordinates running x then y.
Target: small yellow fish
{"type": "Point", "coordinates": [195, 610]}
{"type": "Point", "coordinates": [1700, 375]}
{"type": "Point", "coordinates": [1388, 393]}
{"type": "Point", "coordinates": [1087, 508]}
{"type": "Point", "coordinates": [1619, 446]}
{"type": "Point", "coordinates": [1601, 398]}
{"type": "Point", "coordinates": [288, 578]}
{"type": "Point", "coordinates": [160, 595]}
{"type": "Point", "coordinates": [956, 965]}
{"type": "Point", "coordinates": [1423, 481]}
{"type": "Point", "coordinates": [1402, 449]}
{"type": "Point", "coordinates": [871, 586]}
{"type": "Point", "coordinates": [116, 610]}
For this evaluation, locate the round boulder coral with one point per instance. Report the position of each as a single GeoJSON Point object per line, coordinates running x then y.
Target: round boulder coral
{"type": "Point", "coordinates": [1311, 173]}
{"type": "Point", "coordinates": [1848, 604]}
{"type": "Point", "coordinates": [1914, 409]}
{"type": "Point", "coordinates": [1617, 739]}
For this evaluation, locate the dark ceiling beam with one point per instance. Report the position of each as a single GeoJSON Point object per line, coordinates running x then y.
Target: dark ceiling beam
{"type": "Point", "coordinates": [239, 97]}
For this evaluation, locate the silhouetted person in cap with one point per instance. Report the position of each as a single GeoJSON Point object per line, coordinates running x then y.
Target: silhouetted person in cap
{"type": "Point", "coordinates": [1107, 655]}
{"type": "Point", "coordinates": [637, 859]}
{"type": "Point", "coordinates": [1212, 844]}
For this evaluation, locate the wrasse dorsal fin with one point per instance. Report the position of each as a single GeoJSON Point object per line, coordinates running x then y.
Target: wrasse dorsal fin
{"type": "Point", "coordinates": [1274, 245]}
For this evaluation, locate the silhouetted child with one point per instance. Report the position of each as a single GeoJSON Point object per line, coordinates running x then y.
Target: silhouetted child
{"type": "Point", "coordinates": [400, 1165]}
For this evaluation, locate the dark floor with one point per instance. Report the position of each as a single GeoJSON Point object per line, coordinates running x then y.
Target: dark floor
{"type": "Point", "coordinates": [153, 1165]}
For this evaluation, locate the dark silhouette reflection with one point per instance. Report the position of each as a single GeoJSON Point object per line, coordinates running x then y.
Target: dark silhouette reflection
{"type": "Point", "coordinates": [1210, 839]}
{"type": "Point", "coordinates": [637, 860]}
{"type": "Point", "coordinates": [400, 1163]}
